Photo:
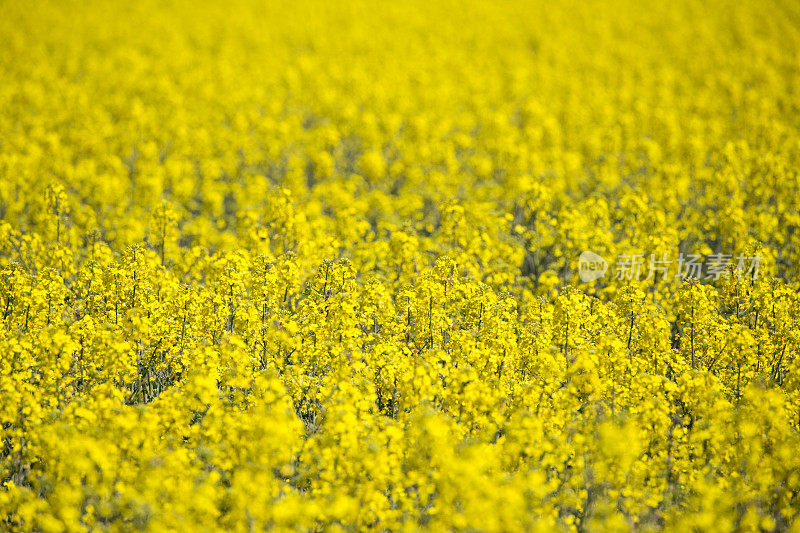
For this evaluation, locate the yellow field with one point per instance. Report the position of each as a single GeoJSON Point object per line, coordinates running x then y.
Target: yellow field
{"type": "Point", "coordinates": [427, 265]}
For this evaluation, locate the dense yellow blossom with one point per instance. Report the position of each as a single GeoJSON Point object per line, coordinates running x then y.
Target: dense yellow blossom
{"type": "Point", "coordinates": [320, 266]}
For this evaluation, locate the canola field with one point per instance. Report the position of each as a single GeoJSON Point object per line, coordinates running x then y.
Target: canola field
{"type": "Point", "coordinates": [425, 265]}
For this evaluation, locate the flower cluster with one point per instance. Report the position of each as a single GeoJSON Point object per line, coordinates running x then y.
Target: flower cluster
{"type": "Point", "coordinates": [314, 266]}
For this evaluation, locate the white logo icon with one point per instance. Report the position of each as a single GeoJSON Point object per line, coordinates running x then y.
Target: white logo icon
{"type": "Point", "coordinates": [591, 266]}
